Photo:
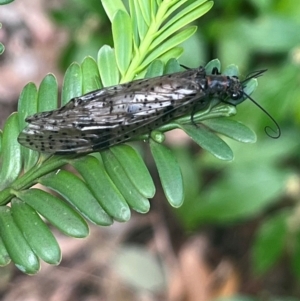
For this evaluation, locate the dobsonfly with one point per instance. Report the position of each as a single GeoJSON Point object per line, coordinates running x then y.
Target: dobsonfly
{"type": "Point", "coordinates": [113, 115]}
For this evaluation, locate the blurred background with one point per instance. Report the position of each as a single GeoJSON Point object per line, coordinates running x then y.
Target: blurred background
{"type": "Point", "coordinates": [237, 236]}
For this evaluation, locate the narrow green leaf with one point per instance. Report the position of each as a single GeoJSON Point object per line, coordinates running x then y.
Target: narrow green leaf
{"type": "Point", "coordinates": [122, 36]}
{"type": "Point", "coordinates": [3, 2]}
{"type": "Point", "coordinates": [48, 94]}
{"type": "Point", "coordinates": [231, 70]}
{"type": "Point", "coordinates": [10, 157]}
{"type": "Point", "coordinates": [232, 129]}
{"type": "Point", "coordinates": [169, 173]}
{"type": "Point", "coordinates": [187, 15]}
{"type": "Point", "coordinates": [90, 75]}
{"type": "Point", "coordinates": [27, 105]}
{"type": "Point", "coordinates": [251, 86]}
{"type": "Point", "coordinates": [141, 24]}
{"type": "Point", "coordinates": [175, 53]}
{"type": "Point", "coordinates": [4, 256]}
{"type": "Point", "coordinates": [168, 45]}
{"type": "Point", "coordinates": [156, 68]}
{"type": "Point", "coordinates": [153, 9]}
{"type": "Point", "coordinates": [76, 193]}
{"type": "Point", "coordinates": [270, 241]}
{"type": "Point", "coordinates": [2, 47]}
{"type": "Point", "coordinates": [72, 84]}
{"type": "Point", "coordinates": [181, 19]}
{"type": "Point", "coordinates": [172, 6]}
{"type": "Point", "coordinates": [146, 10]}
{"type": "Point", "coordinates": [16, 245]}
{"type": "Point", "coordinates": [159, 49]}
{"type": "Point", "coordinates": [118, 175]}
{"type": "Point", "coordinates": [211, 65]}
{"type": "Point", "coordinates": [102, 187]}
{"type": "Point", "coordinates": [39, 237]}
{"type": "Point", "coordinates": [111, 7]}
{"type": "Point", "coordinates": [107, 66]}
{"type": "Point", "coordinates": [208, 141]}
{"type": "Point", "coordinates": [135, 31]}
{"type": "Point", "coordinates": [172, 53]}
{"type": "Point", "coordinates": [172, 66]}
{"type": "Point", "coordinates": [135, 169]}
{"type": "Point", "coordinates": [157, 136]}
{"type": "Point", "coordinates": [56, 211]}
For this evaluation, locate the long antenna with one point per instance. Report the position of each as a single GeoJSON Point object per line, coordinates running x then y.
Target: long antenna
{"type": "Point", "coordinates": [256, 74]}
{"type": "Point", "coordinates": [270, 116]}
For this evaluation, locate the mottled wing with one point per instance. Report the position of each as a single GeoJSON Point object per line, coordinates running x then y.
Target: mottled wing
{"type": "Point", "coordinates": [109, 116]}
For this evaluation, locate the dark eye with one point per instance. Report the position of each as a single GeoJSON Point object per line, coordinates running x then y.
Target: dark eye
{"type": "Point", "coordinates": [237, 95]}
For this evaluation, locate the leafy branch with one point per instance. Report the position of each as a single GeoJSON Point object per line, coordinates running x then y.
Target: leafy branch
{"type": "Point", "coordinates": [112, 182]}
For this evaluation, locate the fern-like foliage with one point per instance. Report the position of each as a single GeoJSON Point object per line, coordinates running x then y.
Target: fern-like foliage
{"type": "Point", "coordinates": [115, 181]}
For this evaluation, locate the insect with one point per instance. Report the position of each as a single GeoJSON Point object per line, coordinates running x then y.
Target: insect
{"type": "Point", "coordinates": [112, 115]}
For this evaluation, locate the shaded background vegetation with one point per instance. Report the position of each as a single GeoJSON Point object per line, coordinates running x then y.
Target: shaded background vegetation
{"type": "Point", "coordinates": [238, 230]}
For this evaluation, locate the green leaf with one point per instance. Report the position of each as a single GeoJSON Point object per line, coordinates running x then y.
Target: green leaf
{"type": "Point", "coordinates": [111, 7]}
{"type": "Point", "coordinates": [208, 140]}
{"type": "Point", "coordinates": [172, 66]}
{"type": "Point", "coordinates": [3, 2]}
{"type": "Point", "coordinates": [37, 234]}
{"type": "Point", "coordinates": [153, 9]}
{"type": "Point", "coordinates": [102, 187]}
{"type": "Point", "coordinates": [135, 169]}
{"type": "Point", "coordinates": [16, 245]}
{"type": "Point", "coordinates": [187, 15]}
{"type": "Point", "coordinates": [172, 53]}
{"type": "Point", "coordinates": [231, 128]}
{"type": "Point", "coordinates": [58, 213]}
{"type": "Point", "coordinates": [158, 136]}
{"type": "Point", "coordinates": [118, 175]}
{"type": "Point", "coordinates": [156, 68]}
{"type": "Point", "coordinates": [90, 75]}
{"type": "Point", "coordinates": [211, 65]}
{"type": "Point", "coordinates": [122, 35]}
{"type": "Point", "coordinates": [4, 256]}
{"type": "Point", "coordinates": [107, 66]}
{"type": "Point", "coordinates": [27, 105]}
{"type": "Point", "coordinates": [134, 20]}
{"type": "Point", "coordinates": [181, 19]}
{"type": "Point", "coordinates": [251, 86]}
{"type": "Point", "coordinates": [76, 193]}
{"type": "Point", "coordinates": [175, 53]}
{"type": "Point", "coordinates": [172, 6]}
{"type": "Point", "coordinates": [10, 157]}
{"type": "Point", "coordinates": [169, 173]}
{"type": "Point", "coordinates": [72, 84]}
{"type": "Point", "coordinates": [230, 202]}
{"type": "Point", "coordinates": [145, 9]}
{"type": "Point", "coordinates": [48, 94]}
{"type": "Point", "coordinates": [141, 24]}
{"type": "Point", "coordinates": [161, 47]}
{"type": "Point", "coordinates": [2, 47]}
{"type": "Point", "coordinates": [231, 70]}
{"type": "Point", "coordinates": [270, 241]}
